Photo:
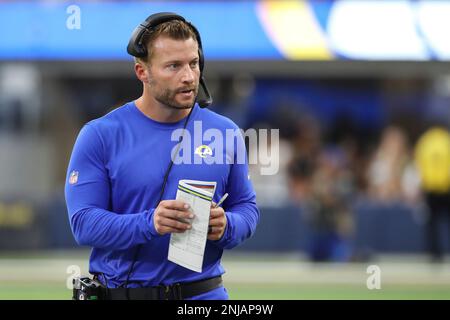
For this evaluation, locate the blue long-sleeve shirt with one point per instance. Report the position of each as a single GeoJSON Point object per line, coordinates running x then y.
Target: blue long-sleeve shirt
{"type": "Point", "coordinates": [114, 180]}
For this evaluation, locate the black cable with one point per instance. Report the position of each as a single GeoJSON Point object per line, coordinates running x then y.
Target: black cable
{"type": "Point", "coordinates": [106, 284]}
{"type": "Point", "coordinates": [166, 176]}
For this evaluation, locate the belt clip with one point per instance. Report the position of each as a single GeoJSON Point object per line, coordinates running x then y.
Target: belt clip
{"type": "Point", "coordinates": [171, 292]}
{"type": "Point", "coordinates": [166, 292]}
{"type": "Point", "coordinates": [177, 291]}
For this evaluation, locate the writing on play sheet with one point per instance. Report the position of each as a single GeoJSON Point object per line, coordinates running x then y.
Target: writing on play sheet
{"type": "Point", "coordinates": [225, 309]}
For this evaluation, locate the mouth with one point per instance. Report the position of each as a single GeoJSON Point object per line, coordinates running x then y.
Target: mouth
{"type": "Point", "coordinates": [187, 93]}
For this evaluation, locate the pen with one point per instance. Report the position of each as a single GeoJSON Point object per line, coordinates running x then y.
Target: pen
{"type": "Point", "coordinates": [216, 206]}
{"type": "Point", "coordinates": [221, 200]}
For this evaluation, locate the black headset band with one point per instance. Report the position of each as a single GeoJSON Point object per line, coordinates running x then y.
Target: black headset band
{"type": "Point", "coordinates": [137, 48]}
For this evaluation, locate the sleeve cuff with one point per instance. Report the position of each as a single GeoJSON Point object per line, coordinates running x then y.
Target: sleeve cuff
{"type": "Point", "coordinates": [151, 224]}
{"type": "Point", "coordinates": [226, 234]}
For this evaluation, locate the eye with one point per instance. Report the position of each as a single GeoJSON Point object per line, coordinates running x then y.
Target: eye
{"type": "Point", "coordinates": [173, 66]}
{"type": "Point", "coordinates": [194, 64]}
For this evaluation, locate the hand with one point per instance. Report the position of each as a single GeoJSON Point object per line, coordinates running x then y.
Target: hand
{"type": "Point", "coordinates": [172, 216]}
{"type": "Point", "coordinates": [217, 223]}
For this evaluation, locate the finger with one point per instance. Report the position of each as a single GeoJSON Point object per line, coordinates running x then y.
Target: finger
{"type": "Point", "coordinates": [217, 222]}
{"type": "Point", "coordinates": [175, 224]}
{"type": "Point", "coordinates": [175, 214]}
{"type": "Point", "coordinates": [215, 213]}
{"type": "Point", "coordinates": [213, 230]}
{"type": "Point", "coordinates": [214, 236]}
{"type": "Point", "coordinates": [164, 230]}
{"type": "Point", "coordinates": [175, 205]}
{"type": "Point", "coordinates": [213, 204]}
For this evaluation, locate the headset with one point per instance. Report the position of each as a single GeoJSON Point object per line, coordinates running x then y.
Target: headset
{"type": "Point", "coordinates": [138, 49]}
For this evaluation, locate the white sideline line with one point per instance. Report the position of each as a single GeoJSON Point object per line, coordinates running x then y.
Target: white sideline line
{"type": "Point", "coordinates": [282, 272]}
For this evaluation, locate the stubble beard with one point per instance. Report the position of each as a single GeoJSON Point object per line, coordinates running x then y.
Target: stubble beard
{"type": "Point", "coordinates": [168, 98]}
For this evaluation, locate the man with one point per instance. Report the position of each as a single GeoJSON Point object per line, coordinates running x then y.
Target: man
{"type": "Point", "coordinates": [432, 156]}
{"type": "Point", "coordinates": [121, 167]}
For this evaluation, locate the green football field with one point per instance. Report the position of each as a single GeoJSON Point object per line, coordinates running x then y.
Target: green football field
{"type": "Point", "coordinates": [262, 276]}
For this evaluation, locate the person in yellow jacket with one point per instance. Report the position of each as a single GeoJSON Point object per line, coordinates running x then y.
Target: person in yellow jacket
{"type": "Point", "coordinates": [432, 157]}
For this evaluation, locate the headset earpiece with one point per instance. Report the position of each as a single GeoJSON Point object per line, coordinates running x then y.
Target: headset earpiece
{"type": "Point", "coordinates": [135, 47]}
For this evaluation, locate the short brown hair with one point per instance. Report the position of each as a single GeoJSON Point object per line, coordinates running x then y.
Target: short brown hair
{"type": "Point", "coordinates": [174, 29]}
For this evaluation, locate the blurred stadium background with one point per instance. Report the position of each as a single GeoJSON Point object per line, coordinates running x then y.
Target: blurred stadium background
{"type": "Point", "coordinates": [352, 86]}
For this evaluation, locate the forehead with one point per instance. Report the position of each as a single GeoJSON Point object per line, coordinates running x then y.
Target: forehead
{"type": "Point", "coordinates": [168, 49]}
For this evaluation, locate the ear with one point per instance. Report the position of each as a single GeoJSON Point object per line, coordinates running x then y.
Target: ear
{"type": "Point", "coordinates": [141, 72]}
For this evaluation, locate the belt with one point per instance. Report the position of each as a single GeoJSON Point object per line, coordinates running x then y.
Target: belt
{"type": "Point", "coordinates": [177, 291]}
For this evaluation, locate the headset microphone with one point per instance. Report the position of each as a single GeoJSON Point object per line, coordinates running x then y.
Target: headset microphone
{"type": "Point", "coordinates": [208, 100]}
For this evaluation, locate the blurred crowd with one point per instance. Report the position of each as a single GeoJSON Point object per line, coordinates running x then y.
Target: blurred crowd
{"type": "Point", "coordinates": [325, 171]}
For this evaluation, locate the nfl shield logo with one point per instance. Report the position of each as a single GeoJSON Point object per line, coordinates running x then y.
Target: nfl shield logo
{"type": "Point", "coordinates": [73, 177]}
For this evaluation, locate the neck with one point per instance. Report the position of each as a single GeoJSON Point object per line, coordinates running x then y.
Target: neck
{"type": "Point", "coordinates": [159, 112]}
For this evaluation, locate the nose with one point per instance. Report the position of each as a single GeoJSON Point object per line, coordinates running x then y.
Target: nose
{"type": "Point", "coordinates": [188, 75]}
